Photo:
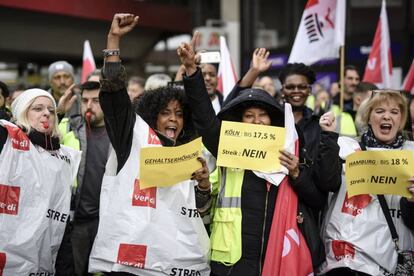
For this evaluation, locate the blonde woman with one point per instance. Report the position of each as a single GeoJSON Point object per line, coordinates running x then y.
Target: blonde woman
{"type": "Point", "coordinates": [357, 237]}
{"type": "Point", "coordinates": [36, 173]}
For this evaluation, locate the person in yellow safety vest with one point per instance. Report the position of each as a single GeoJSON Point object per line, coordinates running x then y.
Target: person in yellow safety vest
{"type": "Point", "coordinates": [87, 133]}
{"type": "Point", "coordinates": [245, 203]}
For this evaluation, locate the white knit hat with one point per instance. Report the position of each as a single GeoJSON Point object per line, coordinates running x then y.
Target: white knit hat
{"type": "Point", "coordinates": [22, 102]}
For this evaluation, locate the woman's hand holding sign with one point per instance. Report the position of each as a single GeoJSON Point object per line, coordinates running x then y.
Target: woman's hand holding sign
{"type": "Point", "coordinates": [202, 175]}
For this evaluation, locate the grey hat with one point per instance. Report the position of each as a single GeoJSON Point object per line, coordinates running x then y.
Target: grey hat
{"type": "Point", "coordinates": [60, 65]}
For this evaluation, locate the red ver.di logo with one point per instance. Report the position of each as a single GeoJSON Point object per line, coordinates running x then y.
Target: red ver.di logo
{"type": "Point", "coordinates": [342, 250]}
{"type": "Point", "coordinates": [19, 140]}
{"type": "Point", "coordinates": [153, 138]}
{"type": "Point", "coordinates": [132, 255]}
{"type": "Point", "coordinates": [9, 199]}
{"type": "Point", "coordinates": [145, 197]}
{"type": "Point", "coordinates": [356, 204]}
{"type": "Point", "coordinates": [2, 262]}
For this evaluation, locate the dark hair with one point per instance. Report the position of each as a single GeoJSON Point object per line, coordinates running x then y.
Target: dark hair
{"type": "Point", "coordinates": [364, 87]}
{"type": "Point", "coordinates": [351, 68]}
{"type": "Point", "coordinates": [297, 69]}
{"type": "Point", "coordinates": [96, 72]}
{"type": "Point", "coordinates": [408, 125]}
{"type": "Point", "coordinates": [4, 89]}
{"type": "Point", "coordinates": [239, 110]}
{"type": "Point", "coordinates": [153, 101]}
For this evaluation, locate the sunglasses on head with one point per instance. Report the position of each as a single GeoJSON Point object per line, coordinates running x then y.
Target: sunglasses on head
{"type": "Point", "coordinates": [378, 91]}
{"type": "Point", "coordinates": [301, 87]}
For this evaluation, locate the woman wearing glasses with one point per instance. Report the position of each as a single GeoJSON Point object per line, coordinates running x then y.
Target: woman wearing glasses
{"type": "Point", "coordinates": [357, 236]}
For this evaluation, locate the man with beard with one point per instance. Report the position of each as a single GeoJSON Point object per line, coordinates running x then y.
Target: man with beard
{"type": "Point", "coordinates": [87, 133]}
{"type": "Point", "coordinates": [61, 76]}
{"type": "Point", "coordinates": [351, 80]}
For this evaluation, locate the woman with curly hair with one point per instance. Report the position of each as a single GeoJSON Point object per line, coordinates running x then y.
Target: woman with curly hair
{"type": "Point", "coordinates": [152, 231]}
{"type": "Point", "coordinates": [151, 106]}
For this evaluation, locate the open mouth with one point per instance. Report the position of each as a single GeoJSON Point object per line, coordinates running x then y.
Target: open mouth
{"type": "Point", "coordinates": [385, 127]}
{"type": "Point", "coordinates": [170, 132]}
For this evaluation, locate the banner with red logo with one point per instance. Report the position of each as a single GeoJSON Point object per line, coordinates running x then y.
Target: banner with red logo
{"type": "Point", "coordinates": [287, 252]}
{"type": "Point", "coordinates": [379, 65]}
{"type": "Point", "coordinates": [227, 76]}
{"type": "Point", "coordinates": [408, 84]}
{"type": "Point", "coordinates": [321, 32]}
{"type": "Point", "coordinates": [88, 63]}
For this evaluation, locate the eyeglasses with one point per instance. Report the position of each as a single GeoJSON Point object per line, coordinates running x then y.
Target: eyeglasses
{"type": "Point", "coordinates": [301, 87]}
{"type": "Point", "coordinates": [378, 91]}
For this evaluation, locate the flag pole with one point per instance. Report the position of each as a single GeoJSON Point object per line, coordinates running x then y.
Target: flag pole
{"type": "Point", "coordinates": [341, 78]}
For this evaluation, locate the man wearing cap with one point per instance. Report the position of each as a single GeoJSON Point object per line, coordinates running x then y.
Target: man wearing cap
{"type": "Point", "coordinates": [86, 132]}
{"type": "Point", "coordinates": [61, 76]}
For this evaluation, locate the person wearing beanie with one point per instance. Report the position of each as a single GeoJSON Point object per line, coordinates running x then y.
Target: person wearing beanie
{"type": "Point", "coordinates": [61, 77]}
{"type": "Point", "coordinates": [36, 176]}
{"type": "Point", "coordinates": [4, 94]}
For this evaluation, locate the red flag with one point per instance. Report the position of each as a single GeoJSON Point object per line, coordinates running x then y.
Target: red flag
{"type": "Point", "coordinates": [227, 77]}
{"type": "Point", "coordinates": [88, 64]}
{"type": "Point", "coordinates": [379, 65]}
{"type": "Point", "coordinates": [287, 253]}
{"type": "Point", "coordinates": [408, 83]}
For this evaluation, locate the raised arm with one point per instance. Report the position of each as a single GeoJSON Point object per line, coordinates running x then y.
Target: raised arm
{"type": "Point", "coordinates": [204, 117]}
{"type": "Point", "coordinates": [328, 167]}
{"type": "Point", "coordinates": [259, 64]}
{"type": "Point", "coordinates": [114, 99]}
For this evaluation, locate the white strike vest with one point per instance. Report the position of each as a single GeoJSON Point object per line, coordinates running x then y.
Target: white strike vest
{"type": "Point", "coordinates": [35, 192]}
{"type": "Point", "coordinates": [355, 231]}
{"type": "Point", "coordinates": [154, 231]}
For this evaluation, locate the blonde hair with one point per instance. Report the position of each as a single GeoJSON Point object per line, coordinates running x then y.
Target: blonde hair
{"type": "Point", "coordinates": [377, 97]}
{"type": "Point", "coordinates": [23, 121]}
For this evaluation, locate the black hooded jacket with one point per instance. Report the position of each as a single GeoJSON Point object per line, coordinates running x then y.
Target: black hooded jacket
{"type": "Point", "coordinates": [257, 201]}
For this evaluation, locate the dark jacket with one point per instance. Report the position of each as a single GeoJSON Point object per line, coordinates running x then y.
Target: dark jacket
{"type": "Point", "coordinates": [407, 212]}
{"type": "Point", "coordinates": [120, 116]}
{"type": "Point", "coordinates": [257, 202]}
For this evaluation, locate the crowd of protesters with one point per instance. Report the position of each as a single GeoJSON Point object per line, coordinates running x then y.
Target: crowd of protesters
{"type": "Point", "coordinates": [70, 167]}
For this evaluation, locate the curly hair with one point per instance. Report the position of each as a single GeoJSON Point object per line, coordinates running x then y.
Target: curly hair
{"type": "Point", "coordinates": [297, 69]}
{"type": "Point", "coordinates": [152, 102]}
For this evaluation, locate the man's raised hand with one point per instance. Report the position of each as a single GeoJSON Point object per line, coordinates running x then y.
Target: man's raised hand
{"type": "Point", "coordinates": [66, 101]}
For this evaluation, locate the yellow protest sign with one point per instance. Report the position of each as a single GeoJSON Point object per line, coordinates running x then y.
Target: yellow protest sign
{"type": "Point", "coordinates": [379, 172]}
{"type": "Point", "coordinates": [166, 166]}
{"type": "Point", "coordinates": [250, 146]}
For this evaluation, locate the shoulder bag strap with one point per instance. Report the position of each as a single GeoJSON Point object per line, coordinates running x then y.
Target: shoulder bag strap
{"type": "Point", "coordinates": [386, 211]}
